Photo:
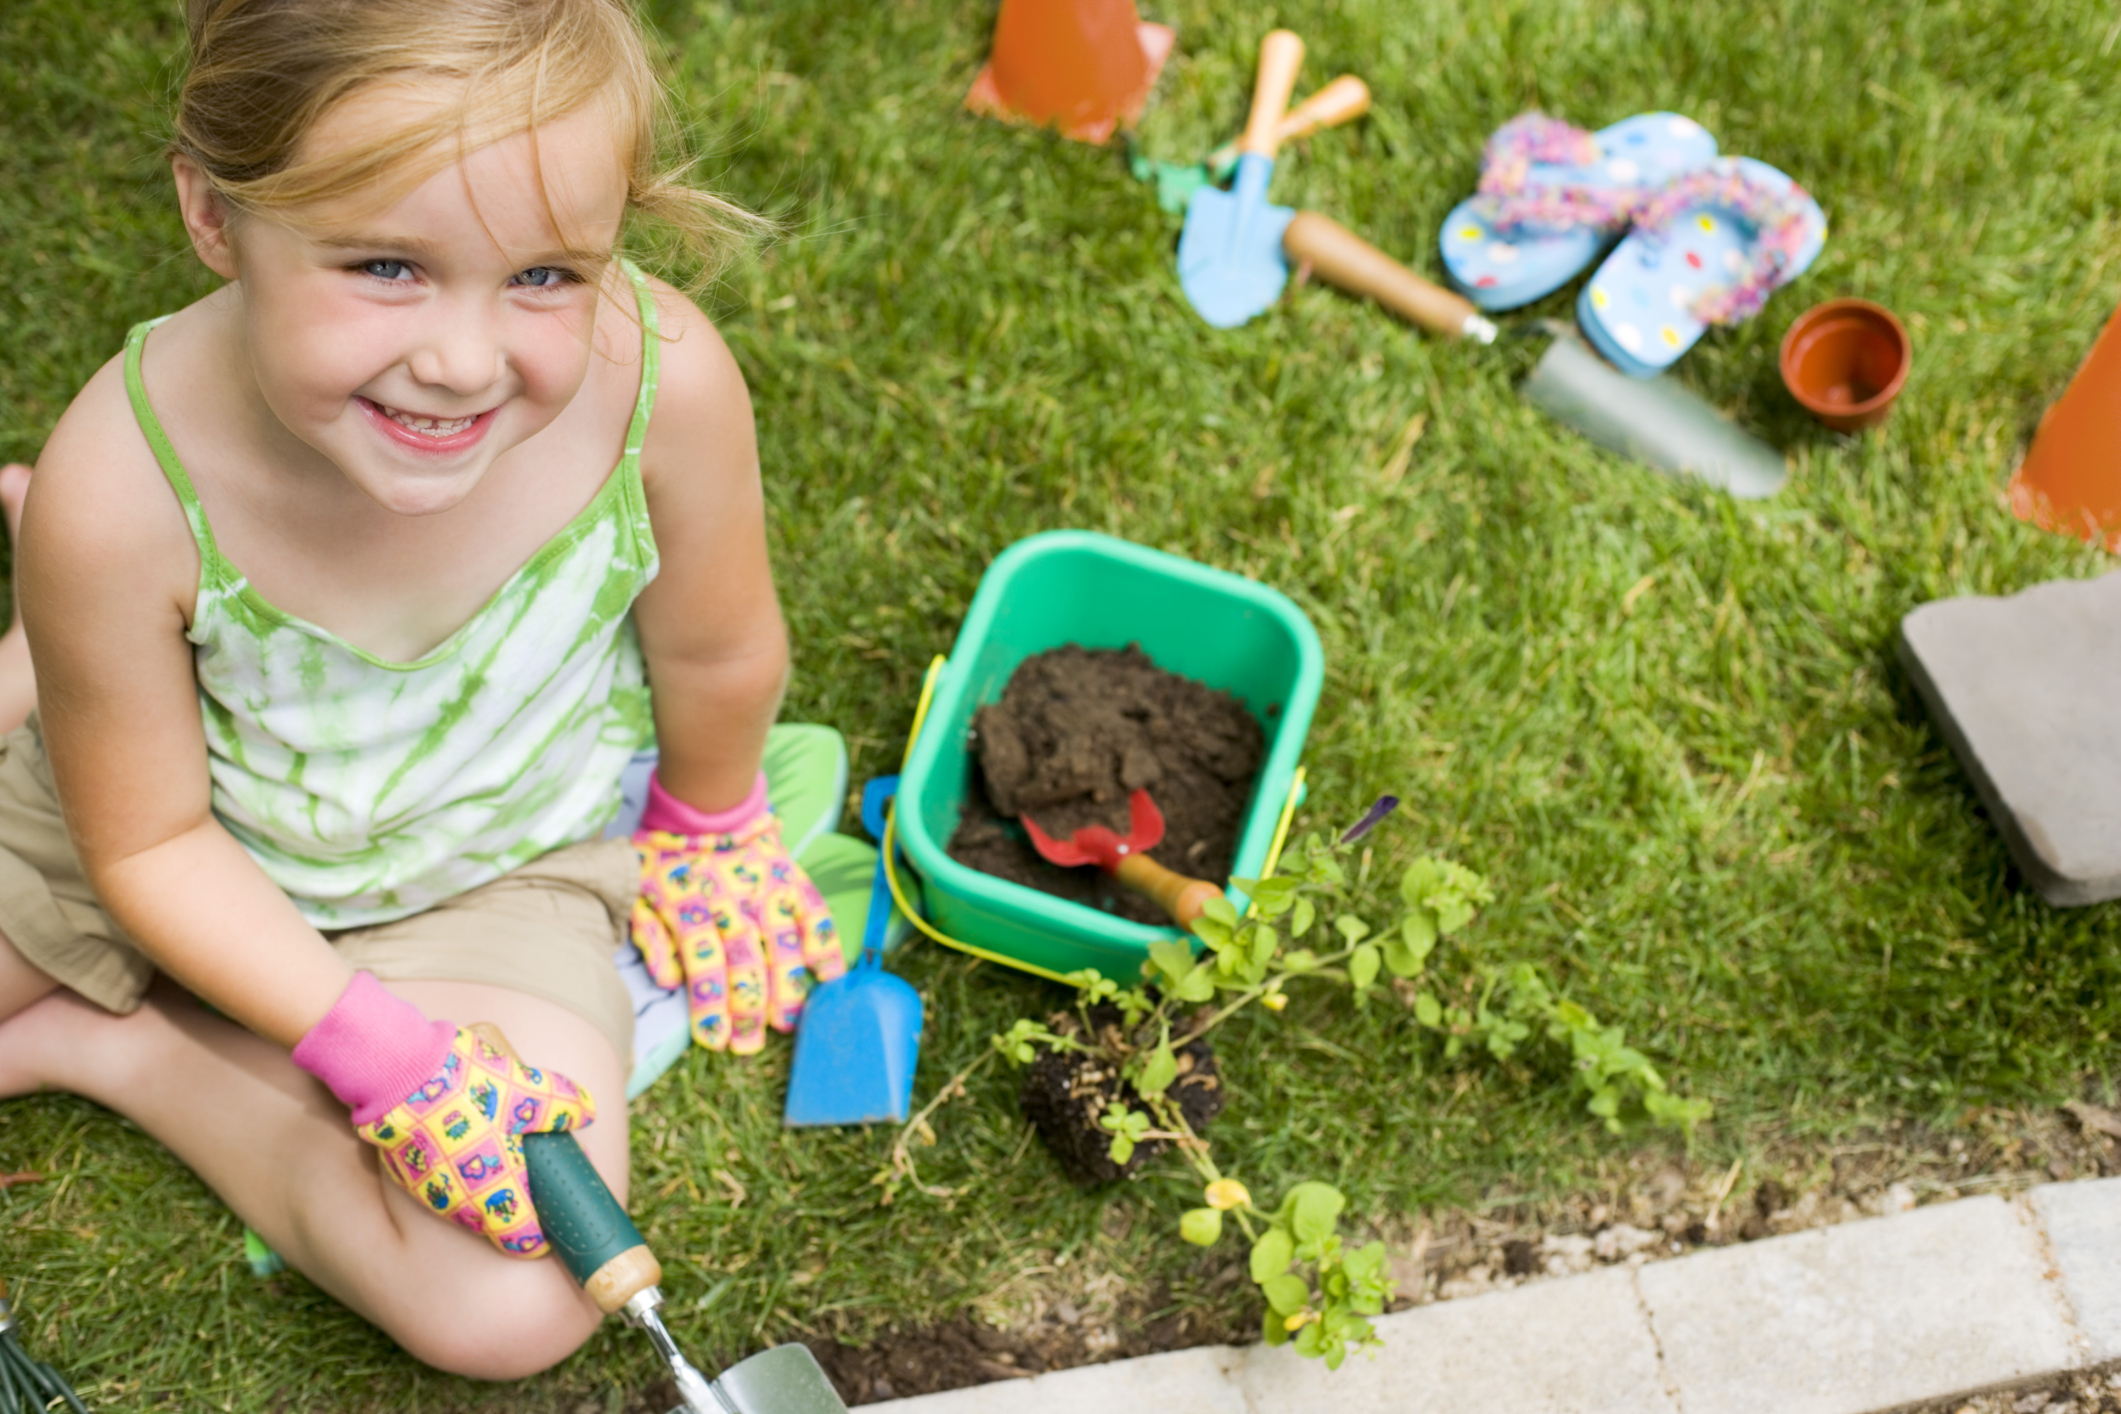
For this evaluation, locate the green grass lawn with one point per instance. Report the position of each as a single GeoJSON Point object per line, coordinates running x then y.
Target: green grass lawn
{"type": "Point", "coordinates": [1668, 726]}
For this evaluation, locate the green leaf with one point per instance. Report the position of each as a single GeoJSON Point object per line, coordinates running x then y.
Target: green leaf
{"type": "Point", "coordinates": [1173, 960]}
{"type": "Point", "coordinates": [1272, 1330]}
{"type": "Point", "coordinates": [1221, 910]}
{"type": "Point", "coordinates": [1301, 919]}
{"type": "Point", "coordinates": [1351, 927]}
{"type": "Point", "coordinates": [1121, 1150]}
{"type": "Point", "coordinates": [1272, 1254]}
{"type": "Point", "coordinates": [1313, 1343]}
{"type": "Point", "coordinates": [1363, 964]}
{"type": "Point", "coordinates": [1264, 942]}
{"type": "Point", "coordinates": [1286, 1294]}
{"type": "Point", "coordinates": [1214, 934]}
{"type": "Point", "coordinates": [1300, 960]}
{"type": "Point", "coordinates": [1196, 986]}
{"type": "Point", "coordinates": [1366, 1263]}
{"type": "Point", "coordinates": [1427, 1010]}
{"type": "Point", "coordinates": [1418, 931]}
{"type": "Point", "coordinates": [1312, 1209]}
{"type": "Point", "coordinates": [1419, 881]}
{"type": "Point", "coordinates": [1158, 1071]}
{"type": "Point", "coordinates": [1201, 1226]}
{"type": "Point", "coordinates": [1274, 896]}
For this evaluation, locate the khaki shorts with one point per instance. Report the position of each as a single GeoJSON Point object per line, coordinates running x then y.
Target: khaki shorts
{"type": "Point", "coordinates": [549, 928]}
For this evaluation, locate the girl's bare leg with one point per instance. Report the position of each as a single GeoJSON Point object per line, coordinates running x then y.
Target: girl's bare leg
{"type": "Point", "coordinates": [275, 1145]}
{"type": "Point", "coordinates": [18, 682]}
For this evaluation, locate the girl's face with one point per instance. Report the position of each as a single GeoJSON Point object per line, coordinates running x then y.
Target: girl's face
{"type": "Point", "coordinates": [411, 344]}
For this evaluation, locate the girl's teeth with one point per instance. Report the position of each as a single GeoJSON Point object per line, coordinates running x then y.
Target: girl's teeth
{"type": "Point", "coordinates": [432, 426]}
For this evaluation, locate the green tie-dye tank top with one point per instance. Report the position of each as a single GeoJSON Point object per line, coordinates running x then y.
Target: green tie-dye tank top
{"type": "Point", "coordinates": [369, 790]}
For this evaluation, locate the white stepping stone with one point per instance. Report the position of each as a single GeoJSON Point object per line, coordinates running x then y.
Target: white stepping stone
{"type": "Point", "coordinates": [2027, 690]}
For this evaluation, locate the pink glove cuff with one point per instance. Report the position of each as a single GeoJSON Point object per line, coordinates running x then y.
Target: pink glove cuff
{"type": "Point", "coordinates": [373, 1049]}
{"type": "Point", "coordinates": [667, 813]}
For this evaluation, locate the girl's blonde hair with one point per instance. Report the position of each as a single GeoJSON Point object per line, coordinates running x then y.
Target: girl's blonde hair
{"type": "Point", "coordinates": [263, 72]}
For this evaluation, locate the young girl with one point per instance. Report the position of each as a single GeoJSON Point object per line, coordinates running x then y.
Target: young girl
{"type": "Point", "coordinates": [345, 588]}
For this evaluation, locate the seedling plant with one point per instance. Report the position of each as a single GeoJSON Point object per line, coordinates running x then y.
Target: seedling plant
{"type": "Point", "coordinates": [1300, 928]}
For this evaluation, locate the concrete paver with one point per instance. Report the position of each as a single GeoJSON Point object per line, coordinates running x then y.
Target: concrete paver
{"type": "Point", "coordinates": [2083, 1226]}
{"type": "Point", "coordinates": [2023, 688]}
{"type": "Point", "coordinates": [1865, 1316]}
{"type": "Point", "coordinates": [1576, 1346]}
{"type": "Point", "coordinates": [1941, 1301]}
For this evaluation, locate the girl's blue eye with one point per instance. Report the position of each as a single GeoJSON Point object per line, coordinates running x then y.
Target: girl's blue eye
{"type": "Point", "coordinates": [542, 277]}
{"type": "Point", "coordinates": [386, 269]}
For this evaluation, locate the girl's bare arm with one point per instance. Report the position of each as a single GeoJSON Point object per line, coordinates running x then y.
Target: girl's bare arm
{"type": "Point", "coordinates": [107, 573]}
{"type": "Point", "coordinates": [710, 625]}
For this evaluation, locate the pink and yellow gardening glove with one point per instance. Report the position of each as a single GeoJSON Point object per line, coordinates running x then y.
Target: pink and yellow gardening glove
{"type": "Point", "coordinates": [725, 913]}
{"type": "Point", "coordinates": [446, 1109]}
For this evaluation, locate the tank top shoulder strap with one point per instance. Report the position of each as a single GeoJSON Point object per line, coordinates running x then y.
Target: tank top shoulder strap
{"type": "Point", "coordinates": [211, 565]}
{"type": "Point", "coordinates": [628, 472]}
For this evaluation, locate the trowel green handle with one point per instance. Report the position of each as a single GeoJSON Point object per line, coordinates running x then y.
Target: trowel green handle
{"type": "Point", "coordinates": [582, 1220]}
{"type": "Point", "coordinates": [587, 1228]}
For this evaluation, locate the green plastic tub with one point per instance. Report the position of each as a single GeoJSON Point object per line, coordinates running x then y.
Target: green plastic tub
{"type": "Point", "coordinates": [1072, 586]}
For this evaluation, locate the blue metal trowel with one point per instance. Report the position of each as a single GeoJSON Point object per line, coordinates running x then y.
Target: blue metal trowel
{"type": "Point", "coordinates": [1230, 261]}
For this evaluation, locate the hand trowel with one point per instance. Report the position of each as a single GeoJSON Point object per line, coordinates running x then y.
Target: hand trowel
{"type": "Point", "coordinates": [599, 1245]}
{"type": "Point", "coordinates": [1658, 421]}
{"type": "Point", "coordinates": [1229, 254]}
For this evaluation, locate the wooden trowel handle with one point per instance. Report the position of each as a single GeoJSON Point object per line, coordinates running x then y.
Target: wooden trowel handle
{"type": "Point", "coordinates": [1181, 897]}
{"type": "Point", "coordinates": [1281, 54]}
{"type": "Point", "coordinates": [1340, 257]}
{"type": "Point", "coordinates": [1341, 101]}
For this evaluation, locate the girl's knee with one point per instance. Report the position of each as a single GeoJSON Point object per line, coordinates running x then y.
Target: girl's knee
{"type": "Point", "coordinates": [507, 1332]}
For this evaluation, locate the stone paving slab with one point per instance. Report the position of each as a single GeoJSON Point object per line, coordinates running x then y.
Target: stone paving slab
{"type": "Point", "coordinates": [1864, 1316]}
{"type": "Point", "coordinates": [1574, 1346]}
{"type": "Point", "coordinates": [1868, 1316]}
{"type": "Point", "coordinates": [2083, 1226]}
{"type": "Point", "coordinates": [2025, 691]}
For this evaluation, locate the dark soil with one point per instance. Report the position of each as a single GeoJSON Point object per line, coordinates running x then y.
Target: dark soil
{"type": "Point", "coordinates": [1065, 1092]}
{"type": "Point", "coordinates": [1076, 732]}
{"type": "Point", "coordinates": [968, 1351]}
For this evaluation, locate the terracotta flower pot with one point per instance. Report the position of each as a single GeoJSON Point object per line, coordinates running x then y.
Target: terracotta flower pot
{"type": "Point", "coordinates": [1845, 361]}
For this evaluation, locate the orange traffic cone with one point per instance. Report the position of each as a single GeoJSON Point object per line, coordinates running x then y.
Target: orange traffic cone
{"type": "Point", "coordinates": [2070, 480]}
{"type": "Point", "coordinates": [1083, 66]}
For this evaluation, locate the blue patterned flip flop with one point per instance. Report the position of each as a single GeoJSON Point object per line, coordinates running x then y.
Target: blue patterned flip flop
{"type": "Point", "coordinates": [1709, 249]}
{"type": "Point", "coordinates": [1552, 197]}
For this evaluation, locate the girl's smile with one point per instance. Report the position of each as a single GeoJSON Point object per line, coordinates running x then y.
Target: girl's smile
{"type": "Point", "coordinates": [429, 436]}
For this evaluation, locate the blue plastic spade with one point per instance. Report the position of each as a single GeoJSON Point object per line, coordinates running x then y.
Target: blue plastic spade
{"type": "Point", "coordinates": [860, 1035]}
{"type": "Point", "coordinates": [1230, 261]}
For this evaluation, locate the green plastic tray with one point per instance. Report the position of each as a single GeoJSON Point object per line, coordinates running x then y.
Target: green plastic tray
{"type": "Point", "coordinates": [1073, 586]}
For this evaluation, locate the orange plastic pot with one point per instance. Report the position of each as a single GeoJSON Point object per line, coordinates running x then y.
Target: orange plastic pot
{"type": "Point", "coordinates": [1845, 361]}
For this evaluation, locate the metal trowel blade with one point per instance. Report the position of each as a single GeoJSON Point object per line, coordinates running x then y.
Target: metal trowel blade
{"type": "Point", "coordinates": [784, 1380]}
